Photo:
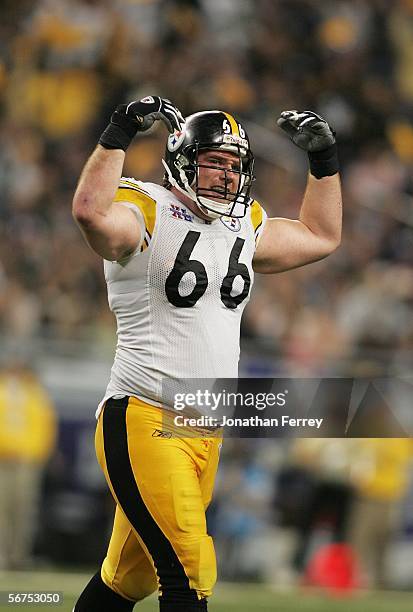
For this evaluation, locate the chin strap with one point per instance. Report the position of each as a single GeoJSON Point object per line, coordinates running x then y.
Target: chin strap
{"type": "Point", "coordinates": [188, 191]}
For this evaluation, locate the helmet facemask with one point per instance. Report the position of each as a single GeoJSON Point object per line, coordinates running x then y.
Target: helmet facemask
{"type": "Point", "coordinates": [232, 197]}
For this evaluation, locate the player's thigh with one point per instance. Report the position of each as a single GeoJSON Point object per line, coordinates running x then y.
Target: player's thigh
{"type": "Point", "coordinates": [163, 471]}
{"type": "Point", "coordinates": [128, 568]}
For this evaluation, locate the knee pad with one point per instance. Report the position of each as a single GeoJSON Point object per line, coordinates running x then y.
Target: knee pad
{"type": "Point", "coordinates": [136, 589]}
{"type": "Point", "coordinates": [198, 558]}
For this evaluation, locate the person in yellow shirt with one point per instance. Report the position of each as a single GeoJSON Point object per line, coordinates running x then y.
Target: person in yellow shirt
{"type": "Point", "coordinates": [380, 470]}
{"type": "Point", "coordinates": [27, 439]}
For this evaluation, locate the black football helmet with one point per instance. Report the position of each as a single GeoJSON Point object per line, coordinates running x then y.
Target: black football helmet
{"type": "Point", "coordinates": [210, 130]}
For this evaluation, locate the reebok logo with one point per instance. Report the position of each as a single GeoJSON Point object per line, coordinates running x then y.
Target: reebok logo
{"type": "Point", "coordinates": [158, 433]}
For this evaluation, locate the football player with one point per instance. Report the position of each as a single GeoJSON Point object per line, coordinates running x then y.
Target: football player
{"type": "Point", "coordinates": [179, 261]}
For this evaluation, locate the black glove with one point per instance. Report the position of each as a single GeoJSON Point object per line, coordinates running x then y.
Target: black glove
{"type": "Point", "coordinates": [312, 133]}
{"type": "Point", "coordinates": [139, 116]}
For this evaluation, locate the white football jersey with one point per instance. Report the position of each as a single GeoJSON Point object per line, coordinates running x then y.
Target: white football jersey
{"type": "Point", "coordinates": [178, 300]}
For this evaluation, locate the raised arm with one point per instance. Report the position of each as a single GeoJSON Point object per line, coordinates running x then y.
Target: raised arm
{"type": "Point", "coordinates": [110, 228]}
{"type": "Point", "coordinates": [289, 243]}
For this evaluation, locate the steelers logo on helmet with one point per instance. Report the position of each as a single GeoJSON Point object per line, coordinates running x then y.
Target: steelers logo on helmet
{"type": "Point", "coordinates": [176, 139]}
{"type": "Point", "coordinates": [211, 131]}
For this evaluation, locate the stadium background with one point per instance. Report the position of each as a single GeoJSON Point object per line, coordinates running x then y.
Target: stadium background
{"type": "Point", "coordinates": [64, 65]}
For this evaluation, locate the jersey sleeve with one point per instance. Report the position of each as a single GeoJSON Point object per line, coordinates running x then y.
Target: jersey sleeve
{"type": "Point", "coordinates": [134, 196]}
{"type": "Point", "coordinates": [258, 219]}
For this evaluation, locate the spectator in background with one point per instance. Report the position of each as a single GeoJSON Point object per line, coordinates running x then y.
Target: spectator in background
{"type": "Point", "coordinates": [27, 438]}
{"type": "Point", "coordinates": [318, 476]}
{"type": "Point", "coordinates": [241, 516]}
{"type": "Point", "coordinates": [380, 470]}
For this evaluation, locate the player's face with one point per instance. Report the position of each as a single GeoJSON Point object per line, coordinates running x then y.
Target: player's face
{"type": "Point", "coordinates": [218, 172]}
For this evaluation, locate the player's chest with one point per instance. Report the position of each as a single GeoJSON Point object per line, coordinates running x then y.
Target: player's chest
{"type": "Point", "coordinates": [191, 260]}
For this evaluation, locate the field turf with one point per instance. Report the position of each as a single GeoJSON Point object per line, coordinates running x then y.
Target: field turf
{"type": "Point", "coordinates": [227, 597]}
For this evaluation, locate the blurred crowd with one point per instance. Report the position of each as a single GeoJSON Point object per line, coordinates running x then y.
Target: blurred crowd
{"type": "Point", "coordinates": [65, 65]}
{"type": "Point", "coordinates": [280, 506]}
{"type": "Point", "coordinates": [27, 441]}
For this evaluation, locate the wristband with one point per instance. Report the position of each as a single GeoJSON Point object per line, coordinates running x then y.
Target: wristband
{"type": "Point", "coordinates": [120, 131]}
{"type": "Point", "coordinates": [324, 163]}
